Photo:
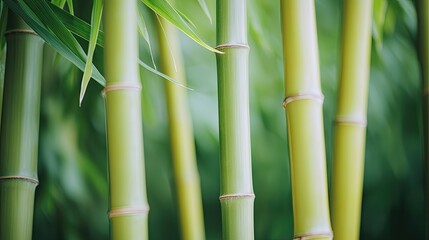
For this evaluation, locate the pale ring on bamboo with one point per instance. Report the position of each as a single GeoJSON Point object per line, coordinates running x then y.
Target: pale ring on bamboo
{"type": "Point", "coordinates": [303, 96]}
{"type": "Point", "coordinates": [231, 45]}
{"type": "Point", "coordinates": [117, 212]}
{"type": "Point", "coordinates": [121, 86]}
{"type": "Point", "coordinates": [313, 236]}
{"type": "Point", "coordinates": [360, 122]}
{"type": "Point", "coordinates": [28, 179]}
{"type": "Point", "coordinates": [236, 195]}
{"type": "Point", "coordinates": [20, 31]}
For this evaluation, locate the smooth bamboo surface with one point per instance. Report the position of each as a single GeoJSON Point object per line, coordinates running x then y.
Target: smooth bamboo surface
{"type": "Point", "coordinates": [128, 207]}
{"type": "Point", "coordinates": [422, 7]}
{"type": "Point", "coordinates": [20, 130]}
{"type": "Point", "coordinates": [237, 196]}
{"type": "Point", "coordinates": [187, 179]}
{"type": "Point", "coordinates": [304, 115]}
{"type": "Point", "coordinates": [350, 123]}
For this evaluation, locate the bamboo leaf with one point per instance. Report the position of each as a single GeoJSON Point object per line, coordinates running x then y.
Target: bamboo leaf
{"type": "Point", "coordinates": [32, 19]}
{"type": "Point", "coordinates": [204, 7]}
{"type": "Point", "coordinates": [167, 11]}
{"type": "Point", "coordinates": [77, 25]}
{"type": "Point", "coordinates": [3, 22]}
{"type": "Point", "coordinates": [379, 12]}
{"type": "Point", "coordinates": [97, 9]}
{"type": "Point", "coordinates": [154, 71]}
{"type": "Point", "coordinates": [70, 6]}
{"type": "Point", "coordinates": [144, 32]}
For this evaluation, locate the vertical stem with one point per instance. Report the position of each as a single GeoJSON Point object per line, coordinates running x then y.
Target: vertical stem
{"type": "Point", "coordinates": [128, 201]}
{"type": "Point", "coordinates": [422, 7]}
{"type": "Point", "coordinates": [20, 130]}
{"type": "Point", "coordinates": [182, 136]}
{"type": "Point", "coordinates": [233, 89]}
{"type": "Point", "coordinates": [350, 122]}
{"type": "Point", "coordinates": [304, 115]}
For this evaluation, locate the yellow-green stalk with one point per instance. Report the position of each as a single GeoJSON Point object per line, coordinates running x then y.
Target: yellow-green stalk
{"type": "Point", "coordinates": [128, 207]}
{"type": "Point", "coordinates": [233, 90]}
{"type": "Point", "coordinates": [20, 129]}
{"type": "Point", "coordinates": [303, 104]}
{"type": "Point", "coordinates": [181, 134]}
{"type": "Point", "coordinates": [422, 7]}
{"type": "Point", "coordinates": [350, 121]}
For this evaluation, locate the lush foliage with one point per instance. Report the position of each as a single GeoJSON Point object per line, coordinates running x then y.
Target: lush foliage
{"type": "Point", "coordinates": [71, 200]}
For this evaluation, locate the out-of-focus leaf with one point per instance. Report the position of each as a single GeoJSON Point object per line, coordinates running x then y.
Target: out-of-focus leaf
{"type": "Point", "coordinates": [379, 16]}
{"type": "Point", "coordinates": [165, 10]}
{"type": "Point", "coordinates": [144, 32]}
{"type": "Point", "coordinates": [75, 54]}
{"type": "Point", "coordinates": [3, 22]}
{"type": "Point", "coordinates": [59, 3]}
{"type": "Point", "coordinates": [203, 6]}
{"type": "Point", "coordinates": [70, 6]}
{"type": "Point", "coordinates": [97, 9]}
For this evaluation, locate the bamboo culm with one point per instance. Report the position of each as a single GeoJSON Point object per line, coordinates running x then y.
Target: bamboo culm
{"type": "Point", "coordinates": [237, 196]}
{"type": "Point", "coordinates": [182, 137]}
{"type": "Point", "coordinates": [20, 129]}
{"type": "Point", "coordinates": [350, 122]}
{"type": "Point", "coordinates": [128, 207]}
{"type": "Point", "coordinates": [303, 104]}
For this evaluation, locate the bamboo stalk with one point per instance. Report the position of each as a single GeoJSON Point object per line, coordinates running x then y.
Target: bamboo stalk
{"type": "Point", "coordinates": [181, 135]}
{"type": "Point", "coordinates": [303, 104]}
{"type": "Point", "coordinates": [422, 7]}
{"type": "Point", "coordinates": [128, 201]}
{"type": "Point", "coordinates": [20, 130]}
{"type": "Point", "coordinates": [350, 123]}
{"type": "Point", "coordinates": [237, 196]}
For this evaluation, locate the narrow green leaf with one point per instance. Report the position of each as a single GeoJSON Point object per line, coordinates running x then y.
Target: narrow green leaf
{"type": "Point", "coordinates": [165, 10]}
{"type": "Point", "coordinates": [70, 6]}
{"type": "Point", "coordinates": [379, 13]}
{"type": "Point", "coordinates": [204, 7]}
{"type": "Point", "coordinates": [97, 9]}
{"type": "Point", "coordinates": [3, 22]}
{"type": "Point", "coordinates": [20, 8]}
{"type": "Point", "coordinates": [77, 25]}
{"type": "Point", "coordinates": [144, 32]}
{"type": "Point", "coordinates": [154, 71]}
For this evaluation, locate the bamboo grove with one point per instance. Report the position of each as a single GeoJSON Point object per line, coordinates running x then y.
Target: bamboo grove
{"type": "Point", "coordinates": [293, 75]}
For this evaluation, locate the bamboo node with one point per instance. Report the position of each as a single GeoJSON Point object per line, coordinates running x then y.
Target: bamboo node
{"type": "Point", "coordinates": [313, 236]}
{"type": "Point", "coordinates": [360, 122]}
{"type": "Point", "coordinates": [236, 195]}
{"type": "Point", "coordinates": [121, 86]}
{"type": "Point", "coordinates": [23, 178]}
{"type": "Point", "coordinates": [231, 45]}
{"type": "Point", "coordinates": [118, 212]}
{"type": "Point", "coordinates": [303, 96]}
{"type": "Point", "coordinates": [20, 31]}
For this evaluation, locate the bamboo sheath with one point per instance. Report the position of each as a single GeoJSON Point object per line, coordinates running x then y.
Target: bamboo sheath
{"type": "Point", "coordinates": [423, 53]}
{"type": "Point", "coordinates": [350, 124]}
{"type": "Point", "coordinates": [127, 186]}
{"type": "Point", "coordinates": [20, 130]}
{"type": "Point", "coordinates": [181, 134]}
{"type": "Point", "coordinates": [303, 106]}
{"type": "Point", "coordinates": [237, 196]}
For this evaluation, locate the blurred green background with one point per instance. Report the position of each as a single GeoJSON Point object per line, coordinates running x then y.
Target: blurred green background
{"type": "Point", "coordinates": [71, 200]}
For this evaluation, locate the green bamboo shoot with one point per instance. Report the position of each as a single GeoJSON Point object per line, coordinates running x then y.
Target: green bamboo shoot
{"type": "Point", "coordinates": [237, 196]}
{"type": "Point", "coordinates": [350, 122]}
{"type": "Point", "coordinates": [20, 129]}
{"type": "Point", "coordinates": [181, 135]}
{"type": "Point", "coordinates": [128, 201]}
{"type": "Point", "coordinates": [303, 104]}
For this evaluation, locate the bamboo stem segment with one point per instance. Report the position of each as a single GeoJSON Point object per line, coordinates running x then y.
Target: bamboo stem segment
{"type": "Point", "coordinates": [127, 182]}
{"type": "Point", "coordinates": [305, 121]}
{"type": "Point", "coordinates": [20, 130]}
{"type": "Point", "coordinates": [350, 124]}
{"type": "Point", "coordinates": [234, 120]}
{"type": "Point", "coordinates": [181, 136]}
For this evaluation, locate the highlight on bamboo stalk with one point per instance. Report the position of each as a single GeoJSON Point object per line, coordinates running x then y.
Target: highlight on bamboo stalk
{"type": "Point", "coordinates": [185, 169]}
{"type": "Point", "coordinates": [20, 129]}
{"type": "Point", "coordinates": [350, 122]}
{"type": "Point", "coordinates": [237, 197]}
{"type": "Point", "coordinates": [303, 105]}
